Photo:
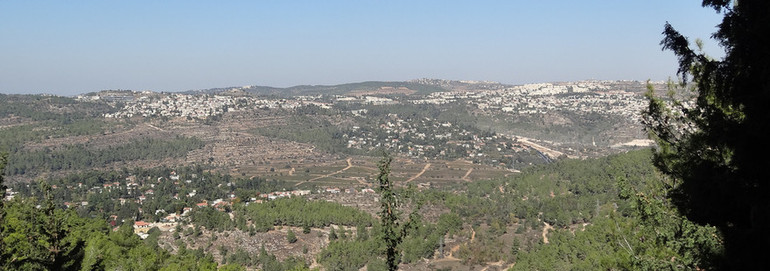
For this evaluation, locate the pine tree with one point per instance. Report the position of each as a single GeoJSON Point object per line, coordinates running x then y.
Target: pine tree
{"type": "Point", "coordinates": [291, 237]}
{"type": "Point", "coordinates": [716, 149]}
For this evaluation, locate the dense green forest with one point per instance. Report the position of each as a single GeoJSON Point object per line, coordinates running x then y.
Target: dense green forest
{"type": "Point", "coordinates": [300, 212]}
{"type": "Point", "coordinates": [562, 193]}
{"type": "Point", "coordinates": [297, 212]}
{"type": "Point", "coordinates": [609, 212]}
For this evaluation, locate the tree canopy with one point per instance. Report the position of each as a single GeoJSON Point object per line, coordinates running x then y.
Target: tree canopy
{"type": "Point", "coordinates": [714, 146]}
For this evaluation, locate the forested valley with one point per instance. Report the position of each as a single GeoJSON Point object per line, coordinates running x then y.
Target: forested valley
{"type": "Point", "coordinates": [572, 214]}
{"type": "Point", "coordinates": [426, 174]}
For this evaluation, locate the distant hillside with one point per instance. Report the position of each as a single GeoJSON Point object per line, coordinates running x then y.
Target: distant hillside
{"type": "Point", "coordinates": [370, 87]}
{"type": "Point", "coordinates": [417, 86]}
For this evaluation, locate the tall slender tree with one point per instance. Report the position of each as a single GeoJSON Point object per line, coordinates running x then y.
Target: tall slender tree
{"type": "Point", "coordinates": [716, 148]}
{"type": "Point", "coordinates": [393, 230]}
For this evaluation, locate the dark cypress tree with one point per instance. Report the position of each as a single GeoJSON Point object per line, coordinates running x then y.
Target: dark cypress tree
{"type": "Point", "coordinates": [716, 149]}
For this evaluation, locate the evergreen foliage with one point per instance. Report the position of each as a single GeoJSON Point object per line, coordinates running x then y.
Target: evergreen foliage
{"type": "Point", "coordinates": [35, 235]}
{"type": "Point", "coordinates": [394, 229]}
{"type": "Point", "coordinates": [714, 148]}
{"type": "Point", "coordinates": [349, 254]}
{"type": "Point", "coordinates": [291, 237]}
{"type": "Point", "coordinates": [651, 236]}
{"type": "Point", "coordinates": [79, 156]}
{"type": "Point", "coordinates": [53, 239]}
{"type": "Point", "coordinates": [562, 193]}
{"type": "Point", "coordinates": [298, 212]}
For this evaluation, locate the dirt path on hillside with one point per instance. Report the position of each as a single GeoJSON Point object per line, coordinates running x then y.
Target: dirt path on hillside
{"type": "Point", "coordinates": [451, 256]}
{"type": "Point", "coordinates": [497, 264]}
{"type": "Point", "coordinates": [455, 248]}
{"type": "Point", "coordinates": [155, 127]}
{"type": "Point", "coordinates": [419, 174]}
{"type": "Point", "coordinates": [465, 177]}
{"type": "Point", "coordinates": [361, 180]}
{"type": "Point", "coordinates": [350, 165]}
{"type": "Point", "coordinates": [546, 228]}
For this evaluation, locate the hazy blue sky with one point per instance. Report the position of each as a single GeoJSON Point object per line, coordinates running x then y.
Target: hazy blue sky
{"type": "Point", "coordinates": [70, 47]}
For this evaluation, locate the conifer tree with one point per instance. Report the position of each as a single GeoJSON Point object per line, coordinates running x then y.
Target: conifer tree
{"type": "Point", "coordinates": [332, 234]}
{"type": "Point", "coordinates": [291, 237]}
{"type": "Point", "coordinates": [393, 231]}
{"type": "Point", "coordinates": [716, 148]}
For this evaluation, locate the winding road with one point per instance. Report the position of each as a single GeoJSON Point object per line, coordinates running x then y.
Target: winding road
{"type": "Point", "coordinates": [350, 165]}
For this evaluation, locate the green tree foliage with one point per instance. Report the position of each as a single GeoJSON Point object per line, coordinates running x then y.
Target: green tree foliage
{"type": "Point", "coordinates": [232, 267]}
{"type": "Point", "coordinates": [79, 156]}
{"type": "Point", "coordinates": [3, 157]}
{"type": "Point", "coordinates": [349, 254]}
{"type": "Point", "coordinates": [487, 247]}
{"type": "Point", "coordinates": [394, 229]}
{"type": "Point", "coordinates": [240, 258]}
{"type": "Point", "coordinates": [562, 193]}
{"type": "Point", "coordinates": [45, 117]}
{"type": "Point", "coordinates": [54, 239]}
{"type": "Point", "coordinates": [298, 212]}
{"type": "Point", "coordinates": [212, 219]}
{"type": "Point", "coordinates": [423, 239]}
{"type": "Point", "coordinates": [38, 236]}
{"type": "Point", "coordinates": [668, 240]}
{"type": "Point", "coordinates": [651, 236]}
{"type": "Point", "coordinates": [13, 138]}
{"type": "Point", "coordinates": [89, 186]}
{"type": "Point", "coordinates": [291, 237]}
{"type": "Point", "coordinates": [567, 194]}
{"type": "Point", "coordinates": [51, 108]}
{"type": "Point", "coordinates": [270, 262]}
{"type": "Point", "coordinates": [400, 240]}
{"type": "Point", "coordinates": [715, 148]}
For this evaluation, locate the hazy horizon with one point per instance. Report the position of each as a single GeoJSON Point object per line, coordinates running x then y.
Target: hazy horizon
{"type": "Point", "coordinates": [74, 48]}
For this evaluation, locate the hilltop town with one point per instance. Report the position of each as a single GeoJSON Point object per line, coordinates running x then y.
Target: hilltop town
{"type": "Point", "coordinates": [570, 111]}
